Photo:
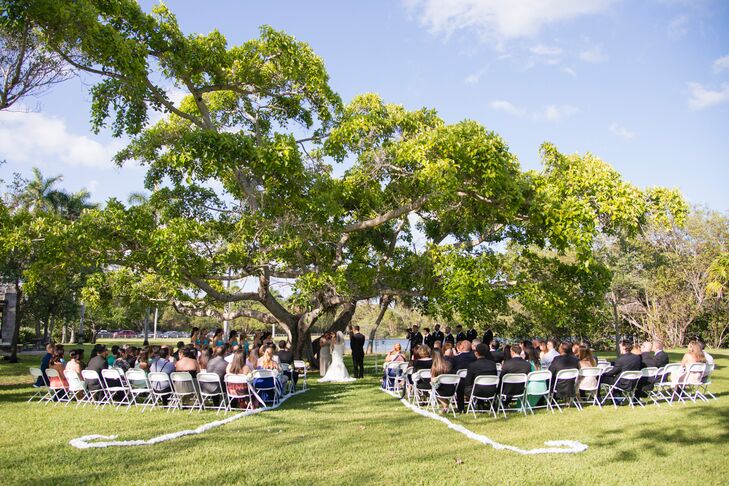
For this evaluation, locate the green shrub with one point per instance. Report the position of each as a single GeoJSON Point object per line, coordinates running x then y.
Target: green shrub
{"type": "Point", "coordinates": [26, 335]}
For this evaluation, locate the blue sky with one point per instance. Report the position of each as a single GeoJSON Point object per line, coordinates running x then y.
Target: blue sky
{"type": "Point", "coordinates": [643, 85]}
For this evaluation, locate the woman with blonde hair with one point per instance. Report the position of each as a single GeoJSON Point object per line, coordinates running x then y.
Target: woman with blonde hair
{"type": "Point", "coordinates": [395, 355]}
{"type": "Point", "coordinates": [694, 355]}
{"type": "Point", "coordinates": [448, 349]}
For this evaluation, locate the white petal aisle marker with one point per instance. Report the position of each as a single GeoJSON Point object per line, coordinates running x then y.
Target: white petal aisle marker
{"type": "Point", "coordinates": [92, 441]}
{"type": "Point", "coordinates": [553, 446]}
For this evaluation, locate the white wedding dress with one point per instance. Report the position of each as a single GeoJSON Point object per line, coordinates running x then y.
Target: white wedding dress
{"type": "Point", "coordinates": [337, 372]}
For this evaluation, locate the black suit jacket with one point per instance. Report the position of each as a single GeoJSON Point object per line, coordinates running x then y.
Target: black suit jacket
{"type": "Point", "coordinates": [514, 365]}
{"type": "Point", "coordinates": [461, 361]}
{"type": "Point", "coordinates": [357, 342]}
{"type": "Point", "coordinates": [661, 358]}
{"type": "Point", "coordinates": [498, 355]}
{"type": "Point", "coordinates": [559, 363]}
{"type": "Point", "coordinates": [450, 339]}
{"type": "Point", "coordinates": [471, 334]}
{"type": "Point", "coordinates": [429, 340]}
{"type": "Point", "coordinates": [649, 361]}
{"type": "Point", "coordinates": [482, 366]}
{"type": "Point", "coordinates": [415, 339]}
{"type": "Point", "coordinates": [461, 336]}
{"type": "Point", "coordinates": [438, 336]}
{"type": "Point", "coordinates": [488, 337]}
{"type": "Point", "coordinates": [422, 364]}
{"type": "Point", "coordinates": [626, 362]}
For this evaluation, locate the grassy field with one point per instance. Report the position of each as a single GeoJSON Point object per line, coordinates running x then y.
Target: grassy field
{"type": "Point", "coordinates": [355, 434]}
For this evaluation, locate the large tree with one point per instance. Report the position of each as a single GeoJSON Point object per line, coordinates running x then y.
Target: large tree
{"type": "Point", "coordinates": [243, 186]}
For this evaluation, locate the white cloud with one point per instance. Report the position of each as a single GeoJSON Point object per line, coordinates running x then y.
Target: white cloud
{"type": "Point", "coordinates": [570, 71]}
{"type": "Point", "coordinates": [678, 27]}
{"type": "Point", "coordinates": [474, 78]}
{"type": "Point", "coordinates": [547, 51]}
{"type": "Point", "coordinates": [555, 113]}
{"type": "Point", "coordinates": [506, 107]}
{"type": "Point", "coordinates": [550, 113]}
{"type": "Point", "coordinates": [36, 138]}
{"type": "Point", "coordinates": [702, 97]}
{"type": "Point", "coordinates": [721, 64]}
{"type": "Point", "coordinates": [594, 54]}
{"type": "Point", "coordinates": [92, 185]}
{"type": "Point", "coordinates": [500, 20]}
{"type": "Point", "coordinates": [620, 131]}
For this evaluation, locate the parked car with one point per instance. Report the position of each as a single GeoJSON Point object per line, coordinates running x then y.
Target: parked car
{"type": "Point", "coordinates": [124, 334]}
{"type": "Point", "coordinates": [104, 334]}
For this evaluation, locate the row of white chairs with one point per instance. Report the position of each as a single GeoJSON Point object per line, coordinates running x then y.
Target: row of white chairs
{"type": "Point", "coordinates": [656, 384]}
{"type": "Point", "coordinates": [177, 390]}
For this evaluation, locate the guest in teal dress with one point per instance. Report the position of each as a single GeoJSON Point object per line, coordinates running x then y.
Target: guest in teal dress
{"type": "Point", "coordinates": [535, 389]}
{"type": "Point", "coordinates": [218, 337]}
{"type": "Point", "coordinates": [233, 339]}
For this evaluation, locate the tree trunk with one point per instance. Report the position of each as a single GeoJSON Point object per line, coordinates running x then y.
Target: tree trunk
{"type": "Point", "coordinates": [64, 327]}
{"type": "Point", "coordinates": [51, 326]}
{"type": "Point", "coordinates": [616, 323]}
{"type": "Point", "coordinates": [16, 326]}
{"type": "Point", "coordinates": [344, 317]}
{"type": "Point", "coordinates": [384, 304]}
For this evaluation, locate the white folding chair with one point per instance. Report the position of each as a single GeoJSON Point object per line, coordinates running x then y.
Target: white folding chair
{"type": "Point", "coordinates": [234, 392]}
{"type": "Point", "coordinates": [623, 389]}
{"type": "Point", "coordinates": [183, 390]}
{"type": "Point", "coordinates": [116, 391]}
{"type": "Point", "coordinates": [421, 387]}
{"type": "Point", "coordinates": [287, 371]}
{"type": "Point", "coordinates": [139, 386]}
{"type": "Point", "coordinates": [706, 381]}
{"type": "Point", "coordinates": [95, 387]}
{"type": "Point", "coordinates": [300, 368]}
{"type": "Point", "coordinates": [391, 371]}
{"type": "Point", "coordinates": [260, 388]}
{"type": "Point", "coordinates": [162, 392]}
{"type": "Point", "coordinates": [400, 379]}
{"type": "Point", "coordinates": [76, 388]}
{"type": "Point", "coordinates": [443, 387]}
{"type": "Point", "coordinates": [55, 385]}
{"type": "Point", "coordinates": [603, 365]}
{"type": "Point", "coordinates": [42, 392]}
{"type": "Point", "coordinates": [689, 385]}
{"type": "Point", "coordinates": [211, 389]}
{"type": "Point", "coordinates": [540, 376]}
{"type": "Point", "coordinates": [663, 386]}
{"type": "Point", "coordinates": [520, 396]}
{"type": "Point", "coordinates": [485, 390]}
{"type": "Point", "coordinates": [589, 384]}
{"type": "Point", "coordinates": [569, 378]}
{"type": "Point", "coordinates": [647, 384]}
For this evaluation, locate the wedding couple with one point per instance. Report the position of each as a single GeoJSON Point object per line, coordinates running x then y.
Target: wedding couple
{"type": "Point", "coordinates": [331, 356]}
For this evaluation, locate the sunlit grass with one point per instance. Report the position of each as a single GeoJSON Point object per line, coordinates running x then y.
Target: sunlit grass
{"type": "Point", "coordinates": [354, 434]}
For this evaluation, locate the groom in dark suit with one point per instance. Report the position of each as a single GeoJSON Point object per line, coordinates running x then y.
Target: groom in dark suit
{"type": "Point", "coordinates": [357, 342]}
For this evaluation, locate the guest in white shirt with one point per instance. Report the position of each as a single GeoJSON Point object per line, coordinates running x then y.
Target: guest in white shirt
{"type": "Point", "coordinates": [552, 353]}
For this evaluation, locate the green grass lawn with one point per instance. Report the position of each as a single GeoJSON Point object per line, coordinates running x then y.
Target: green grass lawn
{"type": "Point", "coordinates": [355, 434]}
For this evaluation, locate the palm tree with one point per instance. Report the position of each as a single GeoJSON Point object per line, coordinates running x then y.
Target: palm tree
{"type": "Point", "coordinates": [137, 198]}
{"type": "Point", "coordinates": [71, 205]}
{"type": "Point", "coordinates": [719, 276]}
{"type": "Point", "coordinates": [40, 194]}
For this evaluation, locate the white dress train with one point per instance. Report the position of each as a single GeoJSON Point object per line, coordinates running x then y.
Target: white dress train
{"type": "Point", "coordinates": [337, 372]}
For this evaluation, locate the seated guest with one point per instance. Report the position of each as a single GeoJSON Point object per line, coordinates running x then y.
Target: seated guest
{"type": "Point", "coordinates": [660, 356]}
{"type": "Point", "coordinates": [188, 362]}
{"type": "Point", "coordinates": [475, 343]}
{"type": "Point", "coordinates": [543, 350]}
{"type": "Point", "coordinates": [203, 357]}
{"type": "Point", "coordinates": [464, 357]}
{"type": "Point", "coordinates": [142, 361]}
{"type": "Point", "coordinates": [238, 367]}
{"type": "Point", "coordinates": [132, 354]}
{"type": "Point", "coordinates": [75, 363]}
{"type": "Point", "coordinates": [448, 350]}
{"type": "Point", "coordinates": [482, 365]}
{"type": "Point", "coordinates": [496, 353]}
{"type": "Point", "coordinates": [395, 355]}
{"type": "Point", "coordinates": [422, 358]}
{"type": "Point", "coordinates": [45, 361]}
{"type": "Point", "coordinates": [98, 363]}
{"type": "Point", "coordinates": [648, 358]}
{"type": "Point", "coordinates": [575, 349]}
{"type": "Point", "coordinates": [441, 366]}
{"type": "Point", "coordinates": [694, 355]}
{"type": "Point", "coordinates": [217, 363]}
{"type": "Point", "coordinates": [121, 360]}
{"type": "Point", "coordinates": [507, 353]}
{"type": "Point", "coordinates": [262, 354]}
{"type": "Point", "coordinates": [552, 353]}
{"type": "Point", "coordinates": [535, 389]}
{"type": "Point", "coordinates": [56, 363]}
{"type": "Point", "coordinates": [163, 364]}
{"type": "Point", "coordinates": [113, 355]}
{"type": "Point", "coordinates": [564, 361]}
{"type": "Point", "coordinates": [709, 358]}
{"type": "Point", "coordinates": [269, 362]}
{"type": "Point", "coordinates": [513, 365]}
{"type": "Point", "coordinates": [626, 362]}
{"type": "Point", "coordinates": [178, 354]}
{"type": "Point", "coordinates": [284, 354]}
{"type": "Point", "coordinates": [587, 360]}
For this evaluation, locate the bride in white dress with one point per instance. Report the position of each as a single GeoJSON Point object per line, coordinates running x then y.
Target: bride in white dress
{"type": "Point", "coordinates": [337, 372]}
